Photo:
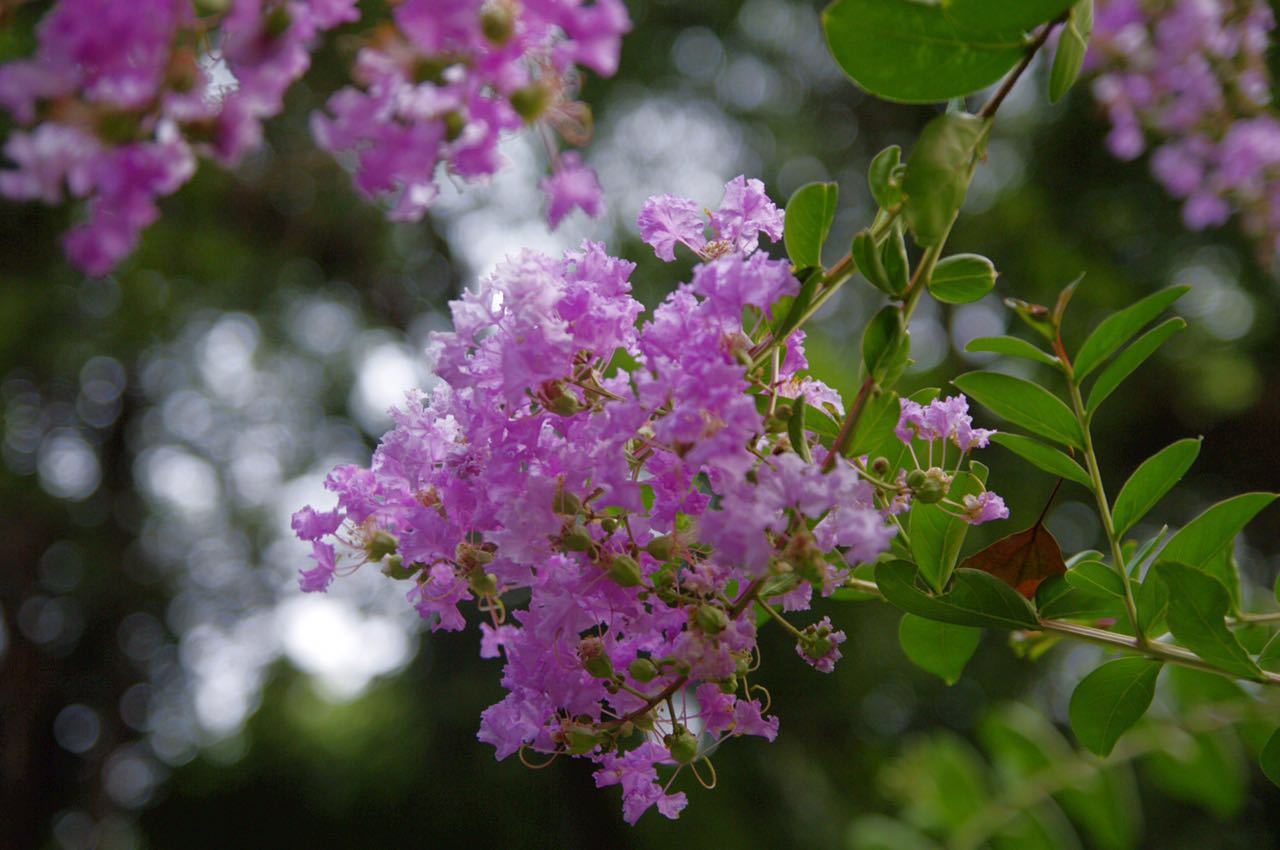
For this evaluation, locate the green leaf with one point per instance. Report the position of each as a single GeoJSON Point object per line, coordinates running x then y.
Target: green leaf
{"type": "Point", "coordinates": [974, 599]}
{"type": "Point", "coordinates": [1058, 600]}
{"type": "Point", "coordinates": [885, 346]}
{"type": "Point", "coordinates": [893, 254]}
{"type": "Point", "coordinates": [939, 170]}
{"type": "Point", "coordinates": [1072, 46]}
{"type": "Point", "coordinates": [1129, 360]}
{"type": "Point", "coordinates": [876, 832]}
{"type": "Point", "coordinates": [1110, 700]}
{"type": "Point", "coordinates": [1151, 481]}
{"type": "Point", "coordinates": [1269, 658]}
{"type": "Point", "coordinates": [912, 52]}
{"type": "Point", "coordinates": [1023, 403]}
{"type": "Point", "coordinates": [1207, 769]}
{"type": "Point", "coordinates": [1269, 761]}
{"type": "Point", "coordinates": [1215, 529]}
{"type": "Point", "coordinates": [884, 177]}
{"type": "Point", "coordinates": [875, 437]}
{"type": "Point", "coordinates": [810, 212]}
{"type": "Point", "coordinates": [936, 535]}
{"type": "Point", "coordinates": [962, 278]}
{"type": "Point", "coordinates": [1153, 605]}
{"type": "Point", "coordinates": [1115, 330]}
{"type": "Point", "coordinates": [1097, 578]}
{"type": "Point", "coordinates": [1046, 457]}
{"type": "Point", "coordinates": [866, 255]}
{"type": "Point", "coordinates": [1198, 605]}
{"type": "Point", "coordinates": [986, 15]}
{"type": "Point", "coordinates": [1012, 346]}
{"type": "Point", "coordinates": [1025, 745]}
{"type": "Point", "coordinates": [938, 648]}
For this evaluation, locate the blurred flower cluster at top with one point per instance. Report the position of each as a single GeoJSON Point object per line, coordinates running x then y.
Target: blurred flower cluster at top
{"type": "Point", "coordinates": [1189, 79]}
{"type": "Point", "coordinates": [120, 99]}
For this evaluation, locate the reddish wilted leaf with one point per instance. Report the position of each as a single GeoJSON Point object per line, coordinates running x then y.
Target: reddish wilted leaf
{"type": "Point", "coordinates": [1021, 560]}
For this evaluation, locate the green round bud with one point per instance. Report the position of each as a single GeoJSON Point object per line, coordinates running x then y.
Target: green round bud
{"type": "Point", "coordinates": [393, 566]}
{"type": "Point", "coordinates": [595, 659]}
{"type": "Point", "coordinates": [662, 547]}
{"type": "Point", "coordinates": [576, 539]}
{"type": "Point", "coordinates": [482, 583]}
{"type": "Point", "coordinates": [380, 545]}
{"type": "Point", "coordinates": [581, 738]}
{"type": "Point", "coordinates": [609, 524]}
{"type": "Point", "coordinates": [683, 745]}
{"type": "Point", "coordinates": [625, 571]}
{"type": "Point", "coordinates": [712, 619]}
{"type": "Point", "coordinates": [531, 101]}
{"type": "Point", "coordinates": [497, 22]}
{"type": "Point", "coordinates": [566, 503]}
{"type": "Point", "coordinates": [643, 670]}
{"type": "Point", "coordinates": [454, 124]}
{"type": "Point", "coordinates": [729, 685]}
{"type": "Point", "coordinates": [916, 479]}
{"type": "Point", "coordinates": [934, 488]}
{"type": "Point", "coordinates": [880, 466]}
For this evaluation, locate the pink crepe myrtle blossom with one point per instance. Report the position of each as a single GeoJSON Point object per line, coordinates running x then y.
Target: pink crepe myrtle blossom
{"type": "Point", "coordinates": [610, 525]}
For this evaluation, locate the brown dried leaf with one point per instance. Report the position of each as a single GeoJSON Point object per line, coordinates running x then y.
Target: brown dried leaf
{"type": "Point", "coordinates": [1021, 560]}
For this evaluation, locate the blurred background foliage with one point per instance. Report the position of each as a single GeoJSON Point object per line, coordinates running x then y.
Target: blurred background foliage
{"type": "Point", "coordinates": [163, 683]}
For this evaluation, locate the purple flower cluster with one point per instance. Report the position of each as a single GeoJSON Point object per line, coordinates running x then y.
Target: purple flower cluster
{"type": "Point", "coordinates": [120, 99]}
{"type": "Point", "coordinates": [939, 424]}
{"type": "Point", "coordinates": [628, 485]}
{"type": "Point", "coordinates": [1190, 78]}
{"type": "Point", "coordinates": [453, 76]}
{"type": "Point", "coordinates": [116, 104]}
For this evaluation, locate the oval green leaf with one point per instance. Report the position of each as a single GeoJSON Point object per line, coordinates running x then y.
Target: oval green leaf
{"type": "Point", "coordinates": [1215, 529]}
{"type": "Point", "coordinates": [942, 649]}
{"type": "Point", "coordinates": [937, 534]}
{"type": "Point", "coordinates": [884, 177]}
{"type": "Point", "coordinates": [962, 278]}
{"type": "Point", "coordinates": [1110, 700]}
{"type": "Point", "coordinates": [912, 52]}
{"type": "Point", "coordinates": [1198, 606]}
{"type": "Point", "coordinates": [1118, 328]}
{"type": "Point", "coordinates": [1151, 481]}
{"type": "Point", "coordinates": [810, 212]}
{"type": "Point", "coordinates": [1270, 758]}
{"type": "Point", "coordinates": [1046, 457]}
{"type": "Point", "coordinates": [974, 599]}
{"type": "Point", "coordinates": [1023, 403]}
{"type": "Point", "coordinates": [1129, 360]}
{"type": "Point", "coordinates": [938, 173]}
{"type": "Point", "coordinates": [1072, 46]}
{"type": "Point", "coordinates": [1012, 346]}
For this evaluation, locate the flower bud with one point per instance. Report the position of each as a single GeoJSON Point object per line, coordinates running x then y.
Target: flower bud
{"type": "Point", "coordinates": [454, 123]}
{"type": "Point", "coordinates": [380, 545]}
{"type": "Point", "coordinates": [629, 737]}
{"type": "Point", "coordinates": [497, 22]}
{"type": "Point", "coordinates": [277, 21]}
{"type": "Point", "coordinates": [531, 101]}
{"type": "Point", "coordinates": [806, 558]}
{"type": "Point", "coordinates": [609, 525]}
{"type": "Point", "coordinates": [643, 670]}
{"type": "Point", "coordinates": [625, 571]}
{"type": "Point", "coordinates": [581, 738]}
{"type": "Point", "coordinates": [566, 503]}
{"type": "Point", "coordinates": [682, 744]}
{"type": "Point", "coordinates": [482, 583]}
{"type": "Point", "coordinates": [712, 619]}
{"type": "Point", "coordinates": [880, 466]}
{"type": "Point", "coordinates": [576, 539]}
{"type": "Point", "coordinates": [662, 547]}
{"type": "Point", "coordinates": [934, 487]}
{"type": "Point", "coordinates": [916, 479]}
{"type": "Point", "coordinates": [595, 659]}
{"type": "Point", "coordinates": [558, 400]}
{"type": "Point", "coordinates": [393, 566]}
{"type": "Point", "coordinates": [728, 685]}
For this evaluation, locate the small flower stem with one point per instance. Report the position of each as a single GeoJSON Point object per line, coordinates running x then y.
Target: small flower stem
{"type": "Point", "coordinates": [782, 621]}
{"type": "Point", "coordinates": [1104, 509]}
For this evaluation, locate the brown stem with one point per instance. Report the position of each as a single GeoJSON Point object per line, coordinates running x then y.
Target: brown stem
{"type": "Point", "coordinates": [850, 425]}
{"type": "Point", "coordinates": [990, 107]}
